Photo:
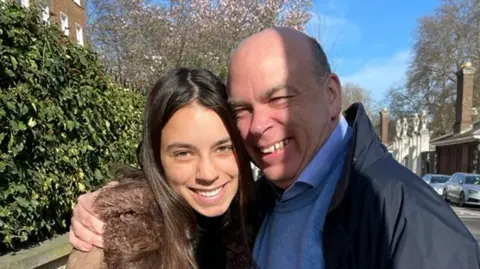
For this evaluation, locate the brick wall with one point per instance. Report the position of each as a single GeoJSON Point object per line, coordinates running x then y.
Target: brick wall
{"type": "Point", "coordinates": [463, 109]}
{"type": "Point", "coordinates": [384, 126]}
{"type": "Point", "coordinates": [74, 12]}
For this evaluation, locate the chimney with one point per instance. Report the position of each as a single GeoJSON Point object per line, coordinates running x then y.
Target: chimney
{"type": "Point", "coordinates": [384, 120]}
{"type": "Point", "coordinates": [463, 109]}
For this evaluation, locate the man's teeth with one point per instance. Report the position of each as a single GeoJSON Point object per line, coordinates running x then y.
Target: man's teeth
{"type": "Point", "coordinates": [209, 193]}
{"type": "Point", "coordinates": [275, 147]}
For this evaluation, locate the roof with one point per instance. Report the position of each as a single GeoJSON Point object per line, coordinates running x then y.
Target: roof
{"type": "Point", "coordinates": [470, 135]}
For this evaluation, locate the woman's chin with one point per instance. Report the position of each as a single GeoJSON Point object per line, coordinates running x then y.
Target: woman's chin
{"type": "Point", "coordinates": [213, 211]}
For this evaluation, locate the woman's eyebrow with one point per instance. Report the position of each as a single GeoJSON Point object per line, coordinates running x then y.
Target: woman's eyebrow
{"type": "Point", "coordinates": [222, 141]}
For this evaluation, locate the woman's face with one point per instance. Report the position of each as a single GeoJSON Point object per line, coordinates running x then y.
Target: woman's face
{"type": "Point", "coordinates": [198, 159]}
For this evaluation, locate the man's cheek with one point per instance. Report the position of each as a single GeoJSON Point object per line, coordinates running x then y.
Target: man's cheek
{"type": "Point", "coordinates": [243, 128]}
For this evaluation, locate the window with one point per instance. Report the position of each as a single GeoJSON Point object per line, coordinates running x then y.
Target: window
{"type": "Point", "coordinates": [25, 3]}
{"type": "Point", "coordinates": [475, 180]}
{"type": "Point", "coordinates": [64, 24]}
{"type": "Point", "coordinates": [77, 2]}
{"type": "Point", "coordinates": [45, 12]}
{"type": "Point", "coordinates": [438, 179]}
{"type": "Point", "coordinates": [79, 32]}
{"type": "Point", "coordinates": [453, 178]}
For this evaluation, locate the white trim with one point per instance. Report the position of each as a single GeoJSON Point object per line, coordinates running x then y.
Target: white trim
{"type": "Point", "coordinates": [456, 141]}
{"type": "Point", "coordinates": [45, 12]}
{"type": "Point", "coordinates": [25, 3]}
{"type": "Point", "coordinates": [78, 2]}
{"type": "Point", "coordinates": [64, 26]}
{"type": "Point", "coordinates": [79, 34]}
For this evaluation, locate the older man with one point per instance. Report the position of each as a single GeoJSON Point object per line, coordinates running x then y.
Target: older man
{"type": "Point", "coordinates": [342, 201]}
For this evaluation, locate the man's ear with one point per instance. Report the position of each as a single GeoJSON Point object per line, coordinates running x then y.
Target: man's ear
{"type": "Point", "coordinates": [334, 95]}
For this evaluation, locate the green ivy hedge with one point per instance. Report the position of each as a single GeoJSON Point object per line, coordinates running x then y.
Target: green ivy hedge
{"type": "Point", "coordinates": [63, 122]}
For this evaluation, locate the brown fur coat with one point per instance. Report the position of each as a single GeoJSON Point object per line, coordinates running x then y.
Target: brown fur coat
{"type": "Point", "coordinates": [133, 230]}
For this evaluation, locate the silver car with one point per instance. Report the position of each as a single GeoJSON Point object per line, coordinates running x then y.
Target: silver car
{"type": "Point", "coordinates": [436, 181]}
{"type": "Point", "coordinates": [463, 189]}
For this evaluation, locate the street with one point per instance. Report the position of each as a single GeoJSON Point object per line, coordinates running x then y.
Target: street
{"type": "Point", "coordinates": [471, 217]}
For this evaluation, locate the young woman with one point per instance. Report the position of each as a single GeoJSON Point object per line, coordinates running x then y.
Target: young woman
{"type": "Point", "coordinates": [191, 211]}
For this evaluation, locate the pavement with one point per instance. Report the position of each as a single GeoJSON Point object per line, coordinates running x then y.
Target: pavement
{"type": "Point", "coordinates": [471, 217]}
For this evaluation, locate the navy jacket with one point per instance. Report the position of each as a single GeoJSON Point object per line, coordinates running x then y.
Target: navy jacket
{"type": "Point", "coordinates": [383, 216]}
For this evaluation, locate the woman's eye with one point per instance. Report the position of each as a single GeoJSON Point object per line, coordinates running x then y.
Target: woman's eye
{"type": "Point", "coordinates": [225, 148]}
{"type": "Point", "coordinates": [181, 154]}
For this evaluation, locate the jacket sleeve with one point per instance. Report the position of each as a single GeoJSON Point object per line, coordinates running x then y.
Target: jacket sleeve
{"type": "Point", "coordinates": [422, 230]}
{"type": "Point", "coordinates": [86, 260]}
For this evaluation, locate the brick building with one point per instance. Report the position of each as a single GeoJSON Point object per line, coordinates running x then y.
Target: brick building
{"type": "Point", "coordinates": [459, 150]}
{"type": "Point", "coordinates": [68, 14]}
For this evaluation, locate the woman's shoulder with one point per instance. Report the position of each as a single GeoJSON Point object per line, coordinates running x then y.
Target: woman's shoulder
{"type": "Point", "coordinates": [133, 224]}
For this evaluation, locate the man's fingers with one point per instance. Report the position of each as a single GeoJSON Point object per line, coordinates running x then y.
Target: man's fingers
{"type": "Point", "coordinates": [86, 236]}
{"type": "Point", "coordinates": [85, 213]}
{"type": "Point", "coordinates": [77, 243]}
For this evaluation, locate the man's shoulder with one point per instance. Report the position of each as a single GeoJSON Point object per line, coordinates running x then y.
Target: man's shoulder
{"type": "Point", "coordinates": [405, 216]}
{"type": "Point", "coordinates": [392, 188]}
{"type": "Point", "coordinates": [387, 176]}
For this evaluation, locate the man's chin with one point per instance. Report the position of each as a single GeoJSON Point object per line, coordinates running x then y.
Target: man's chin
{"type": "Point", "coordinates": [277, 176]}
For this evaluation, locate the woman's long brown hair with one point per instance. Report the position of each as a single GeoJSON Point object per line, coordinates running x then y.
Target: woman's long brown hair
{"type": "Point", "coordinates": [173, 91]}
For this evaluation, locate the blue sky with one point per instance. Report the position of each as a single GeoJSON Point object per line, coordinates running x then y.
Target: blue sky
{"type": "Point", "coordinates": [369, 42]}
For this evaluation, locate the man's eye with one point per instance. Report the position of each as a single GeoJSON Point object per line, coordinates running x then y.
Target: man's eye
{"type": "Point", "coordinates": [279, 100]}
{"type": "Point", "coordinates": [238, 113]}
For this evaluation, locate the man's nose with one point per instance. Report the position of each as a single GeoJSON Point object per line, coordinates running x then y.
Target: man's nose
{"type": "Point", "coordinates": [260, 123]}
{"type": "Point", "coordinates": [206, 170]}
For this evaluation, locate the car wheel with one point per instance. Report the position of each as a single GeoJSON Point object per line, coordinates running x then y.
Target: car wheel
{"type": "Point", "coordinates": [461, 199]}
{"type": "Point", "coordinates": [445, 196]}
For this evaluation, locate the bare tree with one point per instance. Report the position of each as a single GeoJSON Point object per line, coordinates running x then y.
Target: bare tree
{"type": "Point", "coordinates": [444, 41]}
{"type": "Point", "coordinates": [352, 93]}
{"type": "Point", "coordinates": [139, 40]}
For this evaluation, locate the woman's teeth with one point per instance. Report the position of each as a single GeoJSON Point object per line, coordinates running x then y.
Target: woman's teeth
{"type": "Point", "coordinates": [209, 193]}
{"type": "Point", "coordinates": [275, 147]}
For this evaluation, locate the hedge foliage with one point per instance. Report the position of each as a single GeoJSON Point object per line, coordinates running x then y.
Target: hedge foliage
{"type": "Point", "coordinates": [62, 124]}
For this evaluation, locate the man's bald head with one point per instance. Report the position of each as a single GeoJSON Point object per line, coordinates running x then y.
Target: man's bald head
{"type": "Point", "coordinates": [285, 99]}
{"type": "Point", "coordinates": [293, 43]}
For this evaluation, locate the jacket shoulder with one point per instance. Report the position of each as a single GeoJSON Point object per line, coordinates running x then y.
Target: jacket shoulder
{"type": "Point", "coordinates": [414, 220]}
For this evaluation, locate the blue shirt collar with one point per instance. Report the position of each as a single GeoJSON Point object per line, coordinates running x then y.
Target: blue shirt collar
{"type": "Point", "coordinates": [322, 162]}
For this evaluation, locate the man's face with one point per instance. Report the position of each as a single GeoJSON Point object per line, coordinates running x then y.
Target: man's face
{"type": "Point", "coordinates": [284, 112]}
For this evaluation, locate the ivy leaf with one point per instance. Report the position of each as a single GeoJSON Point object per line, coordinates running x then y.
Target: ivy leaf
{"type": "Point", "coordinates": [14, 62]}
{"type": "Point", "coordinates": [70, 125]}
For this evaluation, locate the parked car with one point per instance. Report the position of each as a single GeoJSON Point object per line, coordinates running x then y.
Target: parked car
{"type": "Point", "coordinates": [463, 189]}
{"type": "Point", "coordinates": [437, 181]}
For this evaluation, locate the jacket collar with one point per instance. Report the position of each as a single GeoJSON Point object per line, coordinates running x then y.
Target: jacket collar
{"type": "Point", "coordinates": [365, 148]}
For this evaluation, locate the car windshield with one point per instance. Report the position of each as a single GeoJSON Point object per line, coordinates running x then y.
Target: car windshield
{"type": "Point", "coordinates": [438, 179]}
{"type": "Point", "coordinates": [475, 180]}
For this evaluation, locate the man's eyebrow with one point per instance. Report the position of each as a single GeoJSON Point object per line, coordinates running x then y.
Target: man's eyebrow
{"type": "Point", "coordinates": [266, 95]}
{"type": "Point", "coordinates": [234, 103]}
{"type": "Point", "coordinates": [274, 90]}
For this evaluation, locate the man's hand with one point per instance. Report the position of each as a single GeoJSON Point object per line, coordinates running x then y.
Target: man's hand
{"type": "Point", "coordinates": [86, 228]}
